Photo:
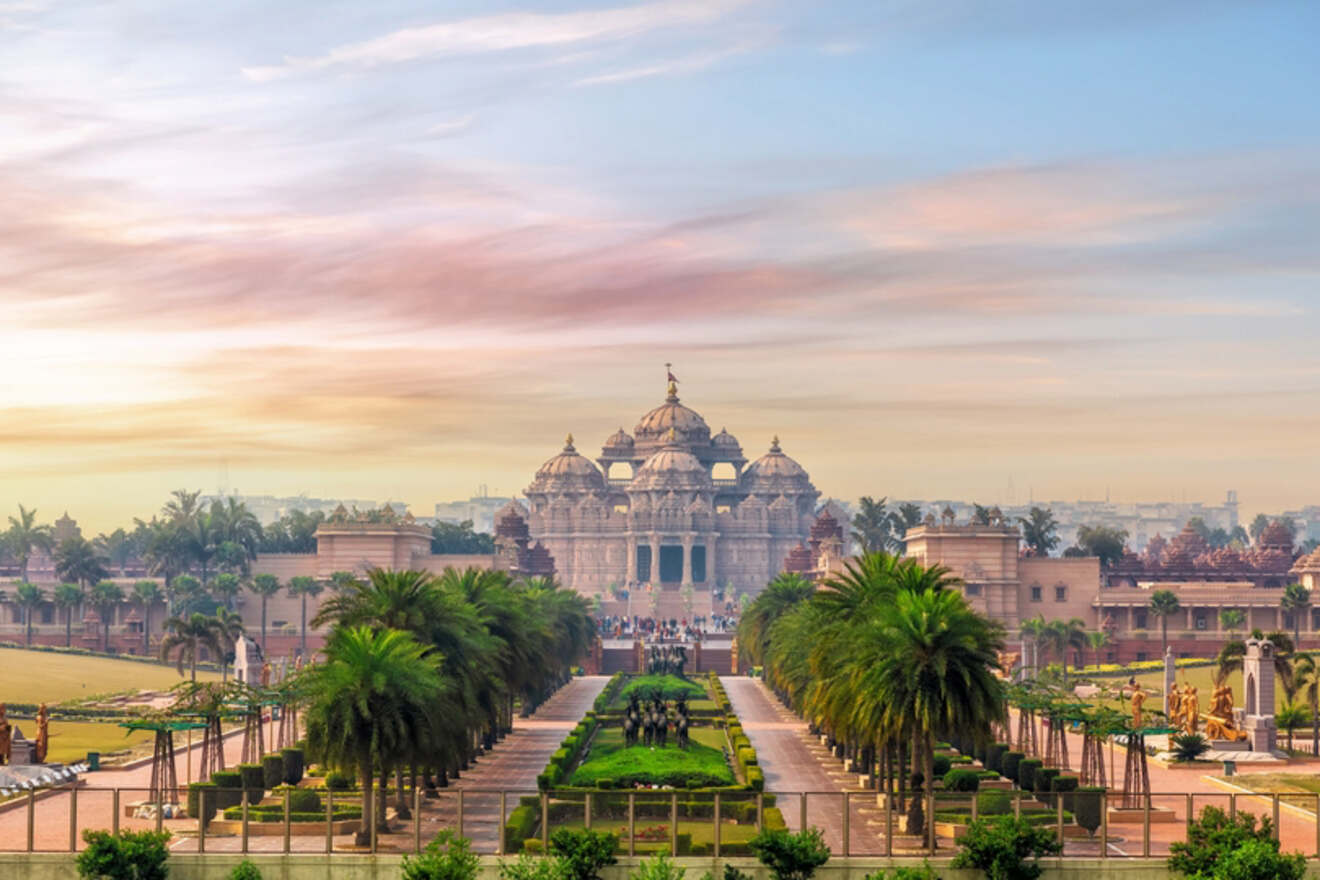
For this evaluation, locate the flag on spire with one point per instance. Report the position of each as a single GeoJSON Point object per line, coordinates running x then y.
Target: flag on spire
{"type": "Point", "coordinates": [670, 374]}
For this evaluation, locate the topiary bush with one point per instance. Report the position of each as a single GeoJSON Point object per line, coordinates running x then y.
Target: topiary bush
{"type": "Point", "coordinates": [254, 781]}
{"type": "Point", "coordinates": [941, 764]}
{"type": "Point", "coordinates": [1008, 764]}
{"type": "Point", "coordinates": [301, 800]}
{"type": "Point", "coordinates": [229, 788]}
{"type": "Point", "coordinates": [295, 764]}
{"type": "Point", "coordinates": [128, 855]}
{"type": "Point", "coordinates": [1063, 786]}
{"type": "Point", "coordinates": [337, 781]}
{"type": "Point", "coordinates": [994, 802]}
{"type": "Point", "coordinates": [202, 796]}
{"type": "Point", "coordinates": [272, 771]}
{"type": "Point", "coordinates": [1026, 773]}
{"type": "Point", "coordinates": [1042, 783]}
{"type": "Point", "coordinates": [1087, 805]}
{"type": "Point", "coordinates": [959, 779]}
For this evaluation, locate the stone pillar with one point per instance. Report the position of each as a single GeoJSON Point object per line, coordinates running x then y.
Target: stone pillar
{"type": "Point", "coordinates": [1258, 684]}
{"type": "Point", "coordinates": [696, 657]}
{"type": "Point", "coordinates": [655, 561]}
{"type": "Point", "coordinates": [639, 656]}
{"type": "Point", "coordinates": [631, 576]}
{"type": "Point", "coordinates": [686, 580]}
{"type": "Point", "coordinates": [1169, 668]}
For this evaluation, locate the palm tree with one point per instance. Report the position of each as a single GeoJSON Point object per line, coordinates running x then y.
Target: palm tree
{"type": "Point", "coordinates": [1063, 636]}
{"type": "Point", "coordinates": [25, 535]}
{"type": "Point", "coordinates": [1034, 631]}
{"type": "Point", "coordinates": [1039, 529]}
{"type": "Point", "coordinates": [265, 586]}
{"type": "Point", "coordinates": [872, 526]}
{"type": "Point", "coordinates": [29, 597]}
{"type": "Point", "coordinates": [1230, 657]}
{"type": "Point", "coordinates": [781, 594]}
{"type": "Point", "coordinates": [1289, 716]}
{"type": "Point", "coordinates": [77, 559]}
{"type": "Point", "coordinates": [105, 597]}
{"type": "Point", "coordinates": [68, 597]}
{"type": "Point", "coordinates": [117, 546]}
{"type": "Point", "coordinates": [225, 587]}
{"type": "Point", "coordinates": [228, 627]}
{"type": "Point", "coordinates": [925, 663]}
{"type": "Point", "coordinates": [371, 706]}
{"type": "Point", "coordinates": [182, 591]}
{"type": "Point", "coordinates": [188, 638]}
{"type": "Point", "coordinates": [1296, 599]}
{"type": "Point", "coordinates": [1232, 620]}
{"type": "Point", "coordinates": [1163, 604]}
{"type": "Point", "coordinates": [147, 593]}
{"type": "Point", "coordinates": [1096, 640]}
{"type": "Point", "coordinates": [302, 587]}
{"type": "Point", "coordinates": [1306, 676]}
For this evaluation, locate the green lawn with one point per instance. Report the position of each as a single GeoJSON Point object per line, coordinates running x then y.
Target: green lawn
{"type": "Point", "coordinates": [672, 686]}
{"type": "Point", "coordinates": [42, 676]}
{"type": "Point", "coordinates": [609, 758]}
{"type": "Point", "coordinates": [70, 741]}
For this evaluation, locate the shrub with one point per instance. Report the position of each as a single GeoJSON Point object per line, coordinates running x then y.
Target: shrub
{"type": "Point", "coordinates": [1212, 837]}
{"type": "Point", "coordinates": [202, 796]}
{"type": "Point", "coordinates": [994, 802]}
{"type": "Point", "coordinates": [529, 867]}
{"type": "Point", "coordinates": [1026, 773]}
{"type": "Point", "coordinates": [272, 771]}
{"type": "Point", "coordinates": [336, 781]}
{"type": "Point", "coordinates": [294, 765]}
{"type": "Point", "coordinates": [229, 784]}
{"type": "Point", "coordinates": [732, 873]}
{"type": "Point", "coordinates": [756, 778]}
{"type": "Point", "coordinates": [448, 857]}
{"type": "Point", "coordinates": [1087, 804]}
{"type": "Point", "coordinates": [128, 855]}
{"type": "Point", "coordinates": [584, 853]}
{"type": "Point", "coordinates": [521, 825]}
{"type": "Point", "coordinates": [1042, 782]}
{"type": "Point", "coordinates": [994, 754]}
{"type": "Point", "coordinates": [1189, 746]}
{"type": "Point", "coordinates": [533, 846]}
{"type": "Point", "coordinates": [791, 856]}
{"type": "Point", "coordinates": [1008, 765]}
{"type": "Point", "coordinates": [301, 800]}
{"type": "Point", "coordinates": [746, 755]}
{"type": "Point", "coordinates": [254, 781]}
{"type": "Point", "coordinates": [941, 764]}
{"type": "Point", "coordinates": [961, 780]}
{"type": "Point", "coordinates": [1005, 848]}
{"type": "Point", "coordinates": [658, 868]}
{"type": "Point", "coordinates": [245, 870]}
{"type": "Point", "coordinates": [925, 872]}
{"type": "Point", "coordinates": [1065, 786]}
{"type": "Point", "coordinates": [1260, 860]}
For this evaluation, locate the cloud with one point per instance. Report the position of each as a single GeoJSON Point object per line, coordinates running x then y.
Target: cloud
{"type": "Point", "coordinates": [502, 33]}
{"type": "Point", "coordinates": [452, 127]}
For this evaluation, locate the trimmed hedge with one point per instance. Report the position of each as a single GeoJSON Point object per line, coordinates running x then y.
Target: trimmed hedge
{"type": "Point", "coordinates": [1026, 773]}
{"type": "Point", "coordinates": [254, 781]}
{"type": "Point", "coordinates": [272, 771]}
{"type": "Point", "coordinates": [961, 780]}
{"type": "Point", "coordinates": [521, 825]}
{"type": "Point", "coordinates": [1041, 784]}
{"type": "Point", "coordinates": [756, 778]}
{"type": "Point", "coordinates": [1008, 765]}
{"type": "Point", "coordinates": [941, 764]}
{"type": "Point", "coordinates": [1088, 804]}
{"type": "Point", "coordinates": [1064, 786]}
{"type": "Point", "coordinates": [203, 794]}
{"type": "Point", "coordinates": [994, 755]}
{"type": "Point", "coordinates": [295, 764]}
{"type": "Point", "coordinates": [230, 784]}
{"type": "Point", "coordinates": [337, 781]}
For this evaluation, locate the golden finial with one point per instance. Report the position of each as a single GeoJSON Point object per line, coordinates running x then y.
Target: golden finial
{"type": "Point", "coordinates": [774, 443]}
{"type": "Point", "coordinates": [673, 390]}
{"type": "Point", "coordinates": [672, 436]}
{"type": "Point", "coordinates": [568, 442]}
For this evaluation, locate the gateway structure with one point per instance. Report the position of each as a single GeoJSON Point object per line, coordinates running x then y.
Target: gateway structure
{"type": "Point", "coordinates": [669, 506]}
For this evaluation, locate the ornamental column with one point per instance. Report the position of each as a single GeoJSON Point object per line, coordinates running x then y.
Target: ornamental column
{"type": "Point", "coordinates": [631, 576]}
{"type": "Point", "coordinates": [654, 576]}
{"type": "Point", "coordinates": [687, 561]}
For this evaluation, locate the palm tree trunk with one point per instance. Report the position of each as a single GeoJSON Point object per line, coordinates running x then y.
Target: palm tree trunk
{"type": "Point", "coordinates": [1315, 729]}
{"type": "Point", "coordinates": [381, 824]}
{"type": "Point", "coordinates": [68, 627]}
{"type": "Point", "coordinates": [146, 628]}
{"type": "Point", "coordinates": [263, 627]}
{"type": "Point", "coordinates": [304, 624]}
{"type": "Point", "coordinates": [1164, 634]}
{"type": "Point", "coordinates": [192, 663]}
{"type": "Point", "coordinates": [363, 836]}
{"type": "Point", "coordinates": [930, 784]}
{"type": "Point", "coordinates": [401, 809]}
{"type": "Point", "coordinates": [28, 619]}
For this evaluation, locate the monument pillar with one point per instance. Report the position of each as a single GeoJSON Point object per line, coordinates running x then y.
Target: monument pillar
{"type": "Point", "coordinates": [1258, 682]}
{"type": "Point", "coordinates": [654, 575]}
{"type": "Point", "coordinates": [687, 561]}
{"type": "Point", "coordinates": [1169, 669]}
{"type": "Point", "coordinates": [631, 577]}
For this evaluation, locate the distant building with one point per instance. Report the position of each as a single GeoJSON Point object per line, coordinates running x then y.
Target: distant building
{"type": "Point", "coordinates": [269, 508]}
{"type": "Point", "coordinates": [480, 510]}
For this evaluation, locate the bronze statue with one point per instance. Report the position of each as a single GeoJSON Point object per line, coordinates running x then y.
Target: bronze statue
{"type": "Point", "coordinates": [1191, 710]}
{"type": "Point", "coordinates": [1173, 703]}
{"type": "Point", "coordinates": [1219, 723]}
{"type": "Point", "coordinates": [43, 733]}
{"type": "Point", "coordinates": [1138, 697]}
{"type": "Point", "coordinates": [5, 736]}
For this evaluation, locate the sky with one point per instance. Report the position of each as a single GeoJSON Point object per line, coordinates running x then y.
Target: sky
{"type": "Point", "coordinates": [397, 250]}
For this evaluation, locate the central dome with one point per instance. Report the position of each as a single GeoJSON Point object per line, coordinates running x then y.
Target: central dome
{"type": "Point", "coordinates": [688, 426]}
{"type": "Point", "coordinates": [673, 467]}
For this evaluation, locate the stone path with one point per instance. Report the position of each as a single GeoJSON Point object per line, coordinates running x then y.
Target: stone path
{"type": "Point", "coordinates": [513, 764]}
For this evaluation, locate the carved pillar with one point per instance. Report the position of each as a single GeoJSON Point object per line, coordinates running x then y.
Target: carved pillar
{"type": "Point", "coordinates": [1258, 684]}
{"type": "Point", "coordinates": [687, 561]}
{"type": "Point", "coordinates": [631, 562]}
{"type": "Point", "coordinates": [655, 559]}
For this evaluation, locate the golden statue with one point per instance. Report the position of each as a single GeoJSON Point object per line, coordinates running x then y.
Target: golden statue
{"type": "Point", "coordinates": [5, 735]}
{"type": "Point", "coordinates": [1219, 723]}
{"type": "Point", "coordinates": [43, 733]}
{"type": "Point", "coordinates": [265, 674]}
{"type": "Point", "coordinates": [1172, 702]}
{"type": "Point", "coordinates": [1191, 710]}
{"type": "Point", "coordinates": [1138, 697]}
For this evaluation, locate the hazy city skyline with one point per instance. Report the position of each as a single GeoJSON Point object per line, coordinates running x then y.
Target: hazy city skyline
{"type": "Point", "coordinates": [394, 251]}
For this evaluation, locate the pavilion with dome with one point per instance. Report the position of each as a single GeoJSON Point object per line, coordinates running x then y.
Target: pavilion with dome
{"type": "Point", "coordinates": [668, 506]}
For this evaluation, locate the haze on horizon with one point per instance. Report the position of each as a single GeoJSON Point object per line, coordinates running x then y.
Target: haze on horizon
{"type": "Point", "coordinates": [396, 250]}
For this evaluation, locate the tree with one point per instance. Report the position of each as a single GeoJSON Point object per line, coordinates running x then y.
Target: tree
{"type": "Point", "coordinates": [25, 535]}
{"type": "Point", "coordinates": [781, 594]}
{"type": "Point", "coordinates": [1289, 716]}
{"type": "Point", "coordinates": [237, 533]}
{"type": "Point", "coordinates": [228, 627]}
{"type": "Point", "coordinates": [225, 587]}
{"type": "Point", "coordinates": [1296, 599]}
{"type": "Point", "coordinates": [1034, 631]}
{"type": "Point", "coordinates": [29, 597]}
{"type": "Point", "coordinates": [1164, 604]}
{"type": "Point", "coordinates": [981, 515]}
{"type": "Point", "coordinates": [265, 586]}
{"type": "Point", "coordinates": [147, 593]}
{"type": "Point", "coordinates": [903, 518]}
{"type": "Point", "coordinates": [105, 597]}
{"type": "Point", "coordinates": [1063, 636]}
{"type": "Point", "coordinates": [1232, 620]}
{"type": "Point", "coordinates": [460, 538]}
{"type": "Point", "coordinates": [372, 699]}
{"type": "Point", "coordinates": [1258, 526]}
{"type": "Point", "coordinates": [871, 525]}
{"type": "Point", "coordinates": [77, 559]}
{"type": "Point", "coordinates": [188, 638]}
{"type": "Point", "coordinates": [1096, 640]}
{"type": "Point", "coordinates": [1038, 530]}
{"type": "Point", "coordinates": [300, 588]}
{"type": "Point", "coordinates": [1306, 677]}
{"type": "Point", "coordinates": [1107, 542]}
{"type": "Point", "coordinates": [68, 597]}
{"type": "Point", "coordinates": [118, 547]}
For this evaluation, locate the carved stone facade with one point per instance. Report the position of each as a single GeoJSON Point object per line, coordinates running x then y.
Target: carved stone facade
{"type": "Point", "coordinates": [669, 505]}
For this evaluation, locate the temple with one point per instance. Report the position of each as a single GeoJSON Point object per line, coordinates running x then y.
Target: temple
{"type": "Point", "coordinates": [669, 506]}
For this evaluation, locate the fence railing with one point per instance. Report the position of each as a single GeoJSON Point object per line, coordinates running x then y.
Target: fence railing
{"type": "Point", "coordinates": [678, 822]}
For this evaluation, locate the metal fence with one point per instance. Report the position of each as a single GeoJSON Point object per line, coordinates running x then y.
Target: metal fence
{"type": "Point", "coordinates": [679, 822]}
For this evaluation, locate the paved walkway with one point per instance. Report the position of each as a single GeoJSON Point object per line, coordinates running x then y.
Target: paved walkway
{"type": "Point", "coordinates": [513, 764]}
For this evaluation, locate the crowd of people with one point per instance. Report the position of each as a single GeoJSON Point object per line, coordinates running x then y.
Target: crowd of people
{"type": "Point", "coordinates": [673, 629]}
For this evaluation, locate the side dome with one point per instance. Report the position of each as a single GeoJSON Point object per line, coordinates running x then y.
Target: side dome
{"type": "Point", "coordinates": [775, 473]}
{"type": "Point", "coordinates": [726, 441]}
{"type": "Point", "coordinates": [688, 426]}
{"type": "Point", "coordinates": [567, 472]}
{"type": "Point", "coordinates": [619, 442]}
